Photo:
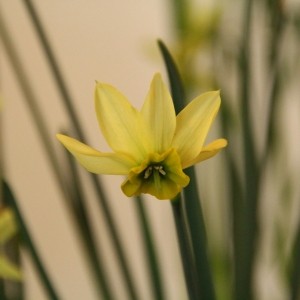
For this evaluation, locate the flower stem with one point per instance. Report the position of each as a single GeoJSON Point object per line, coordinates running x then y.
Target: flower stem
{"type": "Point", "coordinates": [150, 250]}
{"type": "Point", "coordinates": [49, 288]}
{"type": "Point", "coordinates": [198, 236]}
{"type": "Point", "coordinates": [185, 248]}
{"type": "Point", "coordinates": [249, 226]}
{"type": "Point", "coordinates": [79, 209]}
{"type": "Point", "coordinates": [278, 22]}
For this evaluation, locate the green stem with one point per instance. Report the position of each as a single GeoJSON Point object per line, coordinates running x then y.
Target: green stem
{"type": "Point", "coordinates": [150, 250]}
{"type": "Point", "coordinates": [278, 21]}
{"type": "Point", "coordinates": [49, 288]}
{"type": "Point", "coordinates": [198, 236]}
{"type": "Point", "coordinates": [185, 248]}
{"type": "Point", "coordinates": [67, 101]}
{"type": "Point", "coordinates": [87, 233]}
{"type": "Point", "coordinates": [246, 248]}
{"type": "Point", "coordinates": [235, 184]}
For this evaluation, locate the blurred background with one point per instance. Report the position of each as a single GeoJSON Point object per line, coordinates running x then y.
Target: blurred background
{"type": "Point", "coordinates": [116, 42]}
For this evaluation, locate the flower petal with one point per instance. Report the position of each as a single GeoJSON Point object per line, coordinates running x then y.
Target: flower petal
{"type": "Point", "coordinates": [95, 161]}
{"type": "Point", "coordinates": [158, 111]}
{"type": "Point", "coordinates": [193, 123]}
{"type": "Point", "coordinates": [121, 124]}
{"type": "Point", "coordinates": [207, 152]}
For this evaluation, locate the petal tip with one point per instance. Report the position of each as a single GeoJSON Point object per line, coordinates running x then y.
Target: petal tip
{"type": "Point", "coordinates": [59, 136]}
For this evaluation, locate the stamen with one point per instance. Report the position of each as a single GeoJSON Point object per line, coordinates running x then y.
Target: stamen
{"type": "Point", "coordinates": [160, 169]}
{"type": "Point", "coordinates": [148, 172]}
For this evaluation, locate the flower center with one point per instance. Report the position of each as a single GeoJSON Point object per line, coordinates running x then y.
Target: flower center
{"type": "Point", "coordinates": [160, 175]}
{"type": "Point", "coordinates": [154, 168]}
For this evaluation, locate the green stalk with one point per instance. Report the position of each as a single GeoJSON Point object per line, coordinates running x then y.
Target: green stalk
{"type": "Point", "coordinates": [246, 248]}
{"type": "Point", "coordinates": [198, 236]}
{"type": "Point", "coordinates": [83, 222]}
{"type": "Point", "coordinates": [277, 23]}
{"type": "Point", "coordinates": [191, 195]}
{"type": "Point", "coordinates": [67, 101]}
{"type": "Point", "coordinates": [150, 250]}
{"type": "Point", "coordinates": [43, 276]}
{"type": "Point", "coordinates": [235, 184]}
{"type": "Point", "coordinates": [185, 248]}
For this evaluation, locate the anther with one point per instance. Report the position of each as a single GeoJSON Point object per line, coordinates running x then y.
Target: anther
{"type": "Point", "coordinates": [150, 169]}
{"type": "Point", "coordinates": [160, 169]}
{"type": "Point", "coordinates": [148, 172]}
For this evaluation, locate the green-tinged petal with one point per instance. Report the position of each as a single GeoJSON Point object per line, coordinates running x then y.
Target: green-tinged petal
{"type": "Point", "coordinates": [122, 125]}
{"type": "Point", "coordinates": [95, 161]}
{"type": "Point", "coordinates": [8, 225]}
{"type": "Point", "coordinates": [158, 111]}
{"type": "Point", "coordinates": [8, 270]}
{"type": "Point", "coordinates": [164, 184]}
{"type": "Point", "coordinates": [193, 123]}
{"type": "Point", "coordinates": [207, 152]}
{"type": "Point", "coordinates": [162, 190]}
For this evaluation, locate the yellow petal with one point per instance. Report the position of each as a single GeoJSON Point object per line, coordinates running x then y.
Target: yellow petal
{"type": "Point", "coordinates": [158, 111]}
{"type": "Point", "coordinates": [207, 152]}
{"type": "Point", "coordinates": [121, 124]}
{"type": "Point", "coordinates": [193, 123]}
{"type": "Point", "coordinates": [8, 270]}
{"type": "Point", "coordinates": [8, 225]}
{"type": "Point", "coordinates": [95, 161]}
{"type": "Point", "coordinates": [164, 190]}
{"type": "Point", "coordinates": [131, 188]}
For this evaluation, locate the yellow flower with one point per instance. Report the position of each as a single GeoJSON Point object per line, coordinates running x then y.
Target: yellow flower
{"type": "Point", "coordinates": [151, 146]}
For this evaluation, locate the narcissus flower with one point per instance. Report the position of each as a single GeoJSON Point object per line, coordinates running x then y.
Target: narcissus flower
{"type": "Point", "coordinates": [152, 146]}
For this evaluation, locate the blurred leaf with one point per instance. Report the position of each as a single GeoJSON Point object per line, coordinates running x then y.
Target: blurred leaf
{"type": "Point", "coordinates": [8, 270]}
{"type": "Point", "coordinates": [8, 225]}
